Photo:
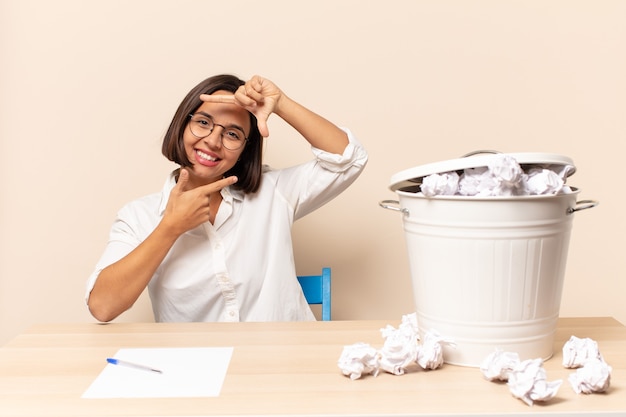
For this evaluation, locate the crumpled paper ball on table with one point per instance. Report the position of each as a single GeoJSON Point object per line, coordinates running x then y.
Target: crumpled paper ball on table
{"type": "Point", "coordinates": [400, 347]}
{"type": "Point", "coordinates": [595, 376]}
{"type": "Point", "coordinates": [430, 354]}
{"type": "Point", "coordinates": [577, 351]}
{"type": "Point", "coordinates": [498, 364]}
{"type": "Point", "coordinates": [528, 382]}
{"type": "Point", "coordinates": [358, 359]}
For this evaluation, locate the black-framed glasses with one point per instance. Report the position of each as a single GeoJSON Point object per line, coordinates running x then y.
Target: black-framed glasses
{"type": "Point", "coordinates": [202, 125]}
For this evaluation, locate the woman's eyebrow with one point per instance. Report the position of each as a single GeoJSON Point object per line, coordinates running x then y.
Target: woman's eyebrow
{"type": "Point", "coordinates": [232, 125]}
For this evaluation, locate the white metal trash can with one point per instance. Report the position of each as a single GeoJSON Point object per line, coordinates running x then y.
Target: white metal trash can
{"type": "Point", "coordinates": [487, 272]}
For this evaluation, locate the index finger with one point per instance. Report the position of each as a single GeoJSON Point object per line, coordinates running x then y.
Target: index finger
{"type": "Point", "coordinates": [217, 185]}
{"type": "Point", "coordinates": [218, 98]}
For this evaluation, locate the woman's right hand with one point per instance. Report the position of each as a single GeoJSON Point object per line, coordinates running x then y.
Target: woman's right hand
{"type": "Point", "coordinates": [189, 207]}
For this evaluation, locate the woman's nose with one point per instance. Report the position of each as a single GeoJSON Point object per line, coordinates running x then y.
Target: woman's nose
{"type": "Point", "coordinates": [214, 139]}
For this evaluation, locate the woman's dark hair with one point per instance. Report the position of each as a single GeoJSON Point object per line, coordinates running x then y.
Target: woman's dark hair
{"type": "Point", "coordinates": [249, 166]}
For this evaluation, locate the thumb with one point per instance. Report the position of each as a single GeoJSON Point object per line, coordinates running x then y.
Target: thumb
{"type": "Point", "coordinates": [183, 177]}
{"type": "Point", "coordinates": [263, 129]}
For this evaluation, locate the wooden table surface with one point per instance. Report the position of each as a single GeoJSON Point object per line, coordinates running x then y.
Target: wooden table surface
{"type": "Point", "coordinates": [284, 369]}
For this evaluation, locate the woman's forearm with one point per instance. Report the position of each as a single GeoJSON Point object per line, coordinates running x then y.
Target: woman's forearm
{"type": "Point", "coordinates": [318, 131]}
{"type": "Point", "coordinates": [120, 284]}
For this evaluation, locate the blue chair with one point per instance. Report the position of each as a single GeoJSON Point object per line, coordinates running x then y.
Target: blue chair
{"type": "Point", "coordinates": [316, 290]}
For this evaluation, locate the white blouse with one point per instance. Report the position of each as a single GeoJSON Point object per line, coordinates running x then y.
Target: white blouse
{"type": "Point", "coordinates": [241, 268]}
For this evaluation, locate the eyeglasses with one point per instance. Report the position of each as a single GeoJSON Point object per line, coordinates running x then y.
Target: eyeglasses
{"type": "Point", "coordinates": [202, 126]}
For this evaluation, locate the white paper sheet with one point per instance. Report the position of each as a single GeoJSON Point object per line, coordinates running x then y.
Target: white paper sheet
{"type": "Point", "coordinates": [186, 372]}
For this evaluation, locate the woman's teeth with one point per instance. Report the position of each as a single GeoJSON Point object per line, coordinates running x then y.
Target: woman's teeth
{"type": "Point", "coordinates": [206, 156]}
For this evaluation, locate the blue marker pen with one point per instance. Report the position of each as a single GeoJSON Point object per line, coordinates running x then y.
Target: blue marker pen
{"type": "Point", "coordinates": [121, 362]}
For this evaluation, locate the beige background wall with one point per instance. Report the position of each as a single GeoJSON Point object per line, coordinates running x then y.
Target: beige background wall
{"type": "Point", "coordinates": [87, 89]}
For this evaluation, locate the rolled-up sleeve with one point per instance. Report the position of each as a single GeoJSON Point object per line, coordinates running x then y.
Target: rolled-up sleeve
{"type": "Point", "coordinates": [312, 184]}
{"type": "Point", "coordinates": [354, 156]}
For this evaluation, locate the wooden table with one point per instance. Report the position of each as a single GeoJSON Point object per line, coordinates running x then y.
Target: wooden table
{"type": "Point", "coordinates": [282, 369]}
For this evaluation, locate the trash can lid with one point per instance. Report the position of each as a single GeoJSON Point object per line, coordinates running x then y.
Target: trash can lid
{"type": "Point", "coordinates": [413, 176]}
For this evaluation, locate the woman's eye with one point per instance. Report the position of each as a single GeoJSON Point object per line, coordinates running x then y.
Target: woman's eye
{"type": "Point", "coordinates": [233, 134]}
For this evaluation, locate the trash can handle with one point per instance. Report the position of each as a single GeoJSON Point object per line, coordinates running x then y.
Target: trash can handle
{"type": "Point", "coordinates": [391, 205]}
{"type": "Point", "coordinates": [478, 152]}
{"type": "Point", "coordinates": [582, 205]}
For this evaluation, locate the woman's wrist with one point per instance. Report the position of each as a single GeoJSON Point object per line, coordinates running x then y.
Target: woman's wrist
{"type": "Point", "coordinates": [284, 106]}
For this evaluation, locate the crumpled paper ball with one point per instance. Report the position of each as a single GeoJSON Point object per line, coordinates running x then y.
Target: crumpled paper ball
{"type": "Point", "coordinates": [498, 364]}
{"type": "Point", "coordinates": [543, 181]}
{"type": "Point", "coordinates": [430, 353]}
{"type": "Point", "coordinates": [477, 182]}
{"type": "Point", "coordinates": [577, 351]}
{"type": "Point", "coordinates": [358, 359]}
{"type": "Point", "coordinates": [401, 345]}
{"type": "Point", "coordinates": [508, 176]}
{"type": "Point", "coordinates": [594, 376]}
{"type": "Point", "coordinates": [440, 184]}
{"type": "Point", "coordinates": [528, 382]}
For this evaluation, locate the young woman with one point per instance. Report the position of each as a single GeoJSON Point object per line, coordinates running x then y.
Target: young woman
{"type": "Point", "coordinates": [215, 243]}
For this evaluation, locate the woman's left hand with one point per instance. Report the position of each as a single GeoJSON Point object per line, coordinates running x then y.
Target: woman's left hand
{"type": "Point", "coordinates": [258, 95]}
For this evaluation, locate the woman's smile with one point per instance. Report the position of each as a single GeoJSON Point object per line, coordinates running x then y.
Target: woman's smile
{"type": "Point", "coordinates": [207, 158]}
